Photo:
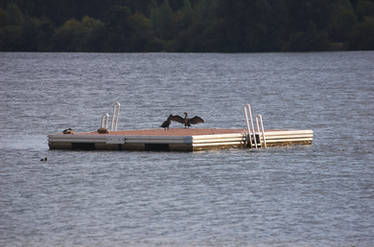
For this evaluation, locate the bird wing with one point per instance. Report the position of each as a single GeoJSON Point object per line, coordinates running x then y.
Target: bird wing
{"type": "Point", "coordinates": [164, 124]}
{"type": "Point", "coordinates": [196, 120]}
{"type": "Point", "coordinates": [177, 118]}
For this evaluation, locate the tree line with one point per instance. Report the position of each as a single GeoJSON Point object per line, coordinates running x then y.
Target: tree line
{"type": "Point", "coordinates": [186, 25]}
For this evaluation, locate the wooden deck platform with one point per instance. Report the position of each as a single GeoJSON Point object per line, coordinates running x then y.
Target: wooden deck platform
{"type": "Point", "coordinates": [174, 139]}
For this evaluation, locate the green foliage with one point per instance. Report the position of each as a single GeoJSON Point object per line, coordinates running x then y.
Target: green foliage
{"type": "Point", "coordinates": [365, 8]}
{"type": "Point", "coordinates": [11, 38]}
{"type": "Point", "coordinates": [14, 15]}
{"type": "Point", "coordinates": [363, 35]}
{"type": "Point", "coordinates": [141, 27]}
{"type": "Point", "coordinates": [184, 16]}
{"type": "Point", "coordinates": [11, 28]}
{"type": "Point", "coordinates": [3, 18]}
{"type": "Point", "coordinates": [310, 40]}
{"type": "Point", "coordinates": [186, 25]}
{"type": "Point", "coordinates": [342, 22]}
{"type": "Point", "coordinates": [117, 16]}
{"type": "Point", "coordinates": [76, 35]}
{"type": "Point", "coordinates": [44, 31]}
{"type": "Point", "coordinates": [163, 21]}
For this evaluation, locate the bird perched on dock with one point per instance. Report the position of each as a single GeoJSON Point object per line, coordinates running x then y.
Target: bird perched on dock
{"type": "Point", "coordinates": [102, 131]}
{"type": "Point", "coordinates": [166, 123]}
{"type": "Point", "coordinates": [187, 121]}
{"type": "Point", "coordinates": [68, 131]}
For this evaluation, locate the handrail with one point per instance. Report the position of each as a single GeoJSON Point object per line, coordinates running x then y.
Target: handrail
{"type": "Point", "coordinates": [105, 120]}
{"type": "Point", "coordinates": [248, 128]}
{"type": "Point", "coordinates": [115, 116]}
{"type": "Point", "coordinates": [258, 129]}
{"type": "Point", "coordinates": [248, 110]}
{"type": "Point", "coordinates": [259, 117]}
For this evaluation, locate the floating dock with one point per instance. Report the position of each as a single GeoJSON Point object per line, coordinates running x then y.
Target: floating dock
{"type": "Point", "coordinates": [178, 139]}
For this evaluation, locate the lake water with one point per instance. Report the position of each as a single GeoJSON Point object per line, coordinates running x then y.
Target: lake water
{"type": "Point", "coordinates": [318, 195]}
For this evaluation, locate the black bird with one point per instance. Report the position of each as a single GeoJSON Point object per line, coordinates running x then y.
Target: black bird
{"type": "Point", "coordinates": [166, 123]}
{"type": "Point", "coordinates": [45, 159]}
{"type": "Point", "coordinates": [187, 121]}
{"type": "Point", "coordinates": [68, 131]}
{"type": "Point", "coordinates": [102, 131]}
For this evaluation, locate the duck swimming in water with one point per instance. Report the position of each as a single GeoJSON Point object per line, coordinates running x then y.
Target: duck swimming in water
{"type": "Point", "coordinates": [187, 121]}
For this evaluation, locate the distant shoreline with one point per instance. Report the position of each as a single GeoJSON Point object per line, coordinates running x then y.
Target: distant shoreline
{"type": "Point", "coordinates": [187, 26]}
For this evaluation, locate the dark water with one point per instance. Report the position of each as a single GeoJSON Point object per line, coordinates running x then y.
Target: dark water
{"type": "Point", "coordinates": [319, 195]}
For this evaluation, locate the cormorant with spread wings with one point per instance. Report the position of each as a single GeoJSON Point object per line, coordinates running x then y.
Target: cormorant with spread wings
{"type": "Point", "coordinates": [166, 123]}
{"type": "Point", "coordinates": [187, 121]}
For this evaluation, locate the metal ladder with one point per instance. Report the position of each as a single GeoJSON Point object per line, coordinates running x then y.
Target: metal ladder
{"type": "Point", "coordinates": [115, 118]}
{"type": "Point", "coordinates": [252, 136]}
{"type": "Point", "coordinates": [104, 121]}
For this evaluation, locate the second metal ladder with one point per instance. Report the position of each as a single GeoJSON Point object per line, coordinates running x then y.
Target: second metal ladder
{"type": "Point", "coordinates": [253, 141]}
{"type": "Point", "coordinates": [115, 118]}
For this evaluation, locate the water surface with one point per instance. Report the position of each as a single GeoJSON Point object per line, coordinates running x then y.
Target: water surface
{"type": "Point", "coordinates": [319, 195]}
